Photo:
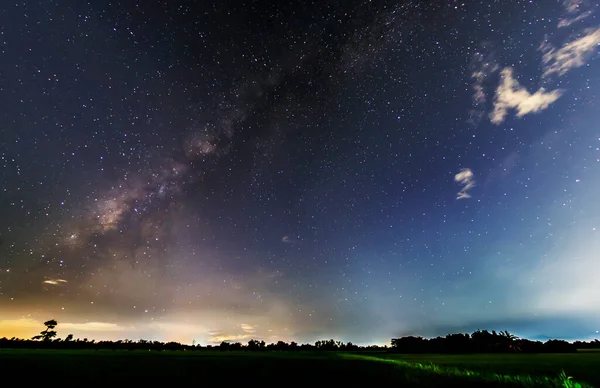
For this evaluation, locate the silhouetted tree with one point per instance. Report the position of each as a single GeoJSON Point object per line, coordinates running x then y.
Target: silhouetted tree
{"type": "Point", "coordinates": [510, 341]}
{"type": "Point", "coordinates": [326, 345]}
{"type": "Point", "coordinates": [49, 333]}
{"type": "Point", "coordinates": [410, 344]}
{"type": "Point", "coordinates": [255, 345]}
{"type": "Point", "coordinates": [458, 343]}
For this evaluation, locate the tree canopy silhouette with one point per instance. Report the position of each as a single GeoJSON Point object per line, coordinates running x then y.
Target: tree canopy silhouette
{"type": "Point", "coordinates": [49, 333]}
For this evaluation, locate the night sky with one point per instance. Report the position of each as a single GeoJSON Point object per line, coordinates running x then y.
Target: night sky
{"type": "Point", "coordinates": [357, 170]}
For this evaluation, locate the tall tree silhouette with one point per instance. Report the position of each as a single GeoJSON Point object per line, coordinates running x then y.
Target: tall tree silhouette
{"type": "Point", "coordinates": [49, 333]}
{"type": "Point", "coordinates": [510, 340]}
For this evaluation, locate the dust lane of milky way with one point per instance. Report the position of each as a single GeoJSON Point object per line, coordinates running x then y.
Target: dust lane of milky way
{"type": "Point", "coordinates": [354, 170]}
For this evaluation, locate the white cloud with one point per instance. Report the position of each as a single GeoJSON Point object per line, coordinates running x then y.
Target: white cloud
{"type": "Point", "coordinates": [511, 95]}
{"type": "Point", "coordinates": [92, 326]}
{"type": "Point", "coordinates": [54, 282]}
{"type": "Point", "coordinates": [248, 328]}
{"type": "Point", "coordinates": [227, 338]}
{"type": "Point", "coordinates": [465, 177]}
{"type": "Point", "coordinates": [567, 22]}
{"type": "Point", "coordinates": [555, 62]}
{"type": "Point", "coordinates": [572, 55]}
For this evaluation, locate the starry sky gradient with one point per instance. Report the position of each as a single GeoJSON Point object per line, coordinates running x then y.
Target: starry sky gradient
{"type": "Point", "coordinates": [357, 170]}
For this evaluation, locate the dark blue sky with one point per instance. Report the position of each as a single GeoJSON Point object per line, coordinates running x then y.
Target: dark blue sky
{"type": "Point", "coordinates": [357, 170]}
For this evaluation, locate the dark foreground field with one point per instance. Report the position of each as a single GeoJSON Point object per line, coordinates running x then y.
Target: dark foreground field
{"type": "Point", "coordinates": [84, 368]}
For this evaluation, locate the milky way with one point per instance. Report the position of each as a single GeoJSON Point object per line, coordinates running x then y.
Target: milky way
{"type": "Point", "coordinates": [354, 170]}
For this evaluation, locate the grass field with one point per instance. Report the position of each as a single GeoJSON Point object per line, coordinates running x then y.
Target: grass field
{"type": "Point", "coordinates": [122, 368]}
{"type": "Point", "coordinates": [581, 367]}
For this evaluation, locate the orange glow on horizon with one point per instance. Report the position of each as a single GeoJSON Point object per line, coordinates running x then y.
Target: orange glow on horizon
{"type": "Point", "coordinates": [20, 328]}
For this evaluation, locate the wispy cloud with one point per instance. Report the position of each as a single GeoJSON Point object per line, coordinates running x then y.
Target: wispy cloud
{"type": "Point", "coordinates": [92, 326]}
{"type": "Point", "coordinates": [572, 6]}
{"type": "Point", "coordinates": [566, 22]}
{"type": "Point", "coordinates": [288, 240]}
{"type": "Point", "coordinates": [572, 55]}
{"type": "Point", "coordinates": [485, 69]}
{"type": "Point", "coordinates": [248, 328]}
{"type": "Point", "coordinates": [466, 178]}
{"type": "Point", "coordinates": [482, 66]}
{"type": "Point", "coordinates": [226, 337]}
{"type": "Point", "coordinates": [54, 282]}
{"type": "Point", "coordinates": [511, 95]}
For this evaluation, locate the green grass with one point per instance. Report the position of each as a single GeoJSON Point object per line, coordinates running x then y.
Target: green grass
{"type": "Point", "coordinates": [584, 366]}
{"type": "Point", "coordinates": [200, 368]}
{"type": "Point", "coordinates": [490, 369]}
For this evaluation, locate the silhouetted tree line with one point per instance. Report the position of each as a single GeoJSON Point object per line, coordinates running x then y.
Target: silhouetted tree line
{"type": "Point", "coordinates": [47, 339]}
{"type": "Point", "coordinates": [483, 341]}
{"type": "Point", "coordinates": [595, 344]}
{"type": "Point", "coordinates": [256, 345]}
{"type": "Point", "coordinates": [252, 345]}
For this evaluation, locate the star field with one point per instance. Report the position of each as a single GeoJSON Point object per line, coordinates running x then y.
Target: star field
{"type": "Point", "coordinates": [354, 170]}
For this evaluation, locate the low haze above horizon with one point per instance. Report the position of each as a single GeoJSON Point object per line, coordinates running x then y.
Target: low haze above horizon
{"type": "Point", "coordinates": [356, 170]}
